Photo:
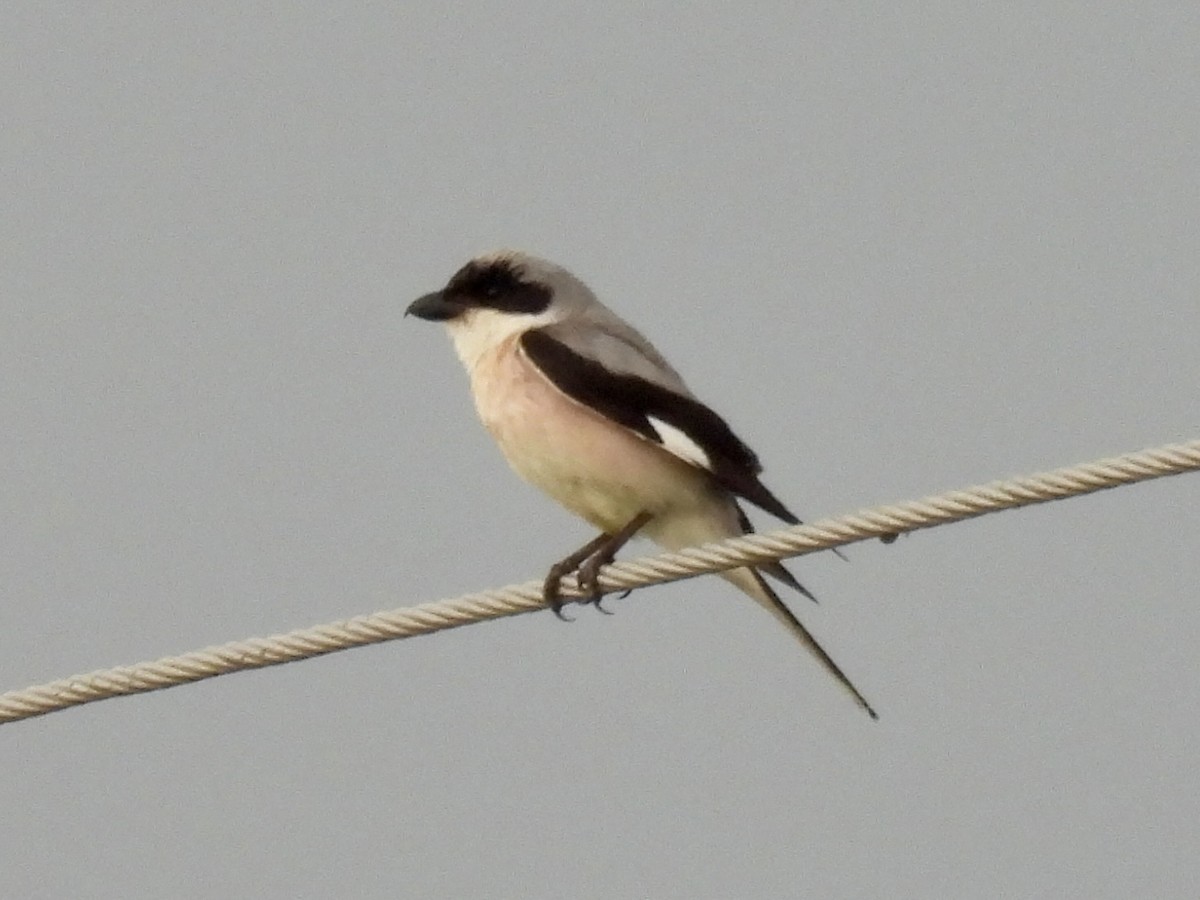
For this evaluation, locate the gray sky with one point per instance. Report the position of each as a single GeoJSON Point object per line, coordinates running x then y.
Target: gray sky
{"type": "Point", "coordinates": [902, 249]}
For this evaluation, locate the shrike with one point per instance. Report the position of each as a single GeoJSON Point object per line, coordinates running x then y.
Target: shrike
{"type": "Point", "coordinates": [586, 409]}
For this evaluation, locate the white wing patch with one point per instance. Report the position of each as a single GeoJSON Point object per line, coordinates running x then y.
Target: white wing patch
{"type": "Point", "coordinates": [680, 444]}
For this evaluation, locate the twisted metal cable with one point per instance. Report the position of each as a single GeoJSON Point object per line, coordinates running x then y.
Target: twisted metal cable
{"type": "Point", "coordinates": [882, 522]}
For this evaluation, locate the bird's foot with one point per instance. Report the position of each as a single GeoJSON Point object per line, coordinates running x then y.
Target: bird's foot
{"type": "Point", "coordinates": [588, 577]}
{"type": "Point", "coordinates": [586, 563]}
{"type": "Point", "coordinates": [552, 587]}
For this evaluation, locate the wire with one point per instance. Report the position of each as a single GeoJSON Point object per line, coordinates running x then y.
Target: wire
{"type": "Point", "coordinates": [879, 522]}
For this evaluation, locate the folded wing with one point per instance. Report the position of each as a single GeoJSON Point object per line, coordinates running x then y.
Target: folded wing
{"type": "Point", "coordinates": [615, 377]}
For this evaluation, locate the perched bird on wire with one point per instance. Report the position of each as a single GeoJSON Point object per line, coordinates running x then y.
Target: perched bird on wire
{"type": "Point", "coordinates": [586, 409]}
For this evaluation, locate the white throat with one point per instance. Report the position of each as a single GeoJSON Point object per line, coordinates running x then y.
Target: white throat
{"type": "Point", "coordinates": [480, 331]}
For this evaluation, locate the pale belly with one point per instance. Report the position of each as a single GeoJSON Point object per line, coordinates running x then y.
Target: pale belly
{"type": "Point", "coordinates": [598, 470]}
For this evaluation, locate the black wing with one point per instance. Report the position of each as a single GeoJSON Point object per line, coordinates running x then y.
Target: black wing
{"type": "Point", "coordinates": [681, 425]}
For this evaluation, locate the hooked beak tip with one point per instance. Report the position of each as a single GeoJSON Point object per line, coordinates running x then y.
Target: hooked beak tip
{"type": "Point", "coordinates": [433, 307]}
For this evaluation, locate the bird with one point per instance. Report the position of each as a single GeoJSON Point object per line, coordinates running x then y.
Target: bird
{"type": "Point", "coordinates": [585, 408]}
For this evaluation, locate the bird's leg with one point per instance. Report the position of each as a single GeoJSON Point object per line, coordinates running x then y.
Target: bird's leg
{"type": "Point", "coordinates": [587, 561]}
{"type": "Point", "coordinates": [552, 586]}
{"type": "Point", "coordinates": [589, 571]}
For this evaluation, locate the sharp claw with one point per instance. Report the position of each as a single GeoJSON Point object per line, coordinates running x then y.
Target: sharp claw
{"type": "Point", "coordinates": [550, 593]}
{"type": "Point", "coordinates": [556, 606]}
{"type": "Point", "coordinates": [589, 579]}
{"type": "Point", "coordinates": [596, 603]}
{"type": "Point", "coordinates": [595, 585]}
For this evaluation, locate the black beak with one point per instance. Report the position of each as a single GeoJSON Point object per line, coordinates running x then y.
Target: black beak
{"type": "Point", "coordinates": [435, 307]}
